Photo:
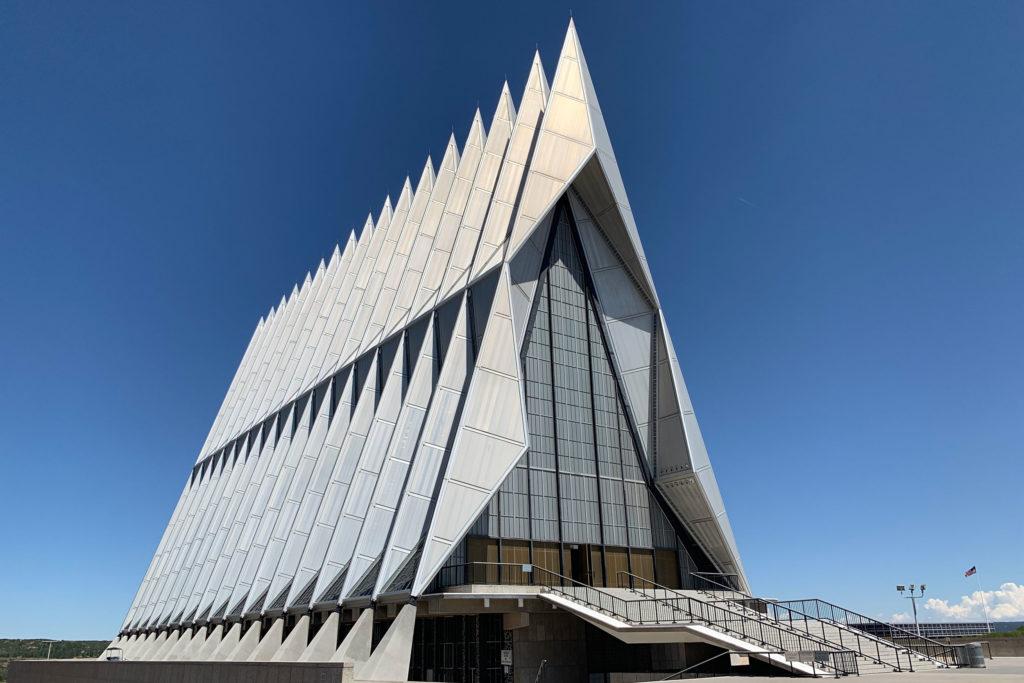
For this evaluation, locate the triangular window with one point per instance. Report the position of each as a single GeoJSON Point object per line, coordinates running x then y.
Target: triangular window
{"type": "Point", "coordinates": [580, 496]}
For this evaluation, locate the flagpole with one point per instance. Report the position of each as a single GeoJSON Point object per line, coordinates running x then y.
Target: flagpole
{"type": "Point", "coordinates": [984, 603]}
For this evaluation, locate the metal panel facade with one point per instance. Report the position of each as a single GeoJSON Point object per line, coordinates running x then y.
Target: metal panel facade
{"type": "Point", "coordinates": [487, 357]}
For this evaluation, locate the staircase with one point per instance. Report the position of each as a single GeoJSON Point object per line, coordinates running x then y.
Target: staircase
{"type": "Point", "coordinates": [829, 646]}
{"type": "Point", "coordinates": [659, 614]}
{"type": "Point", "coordinates": [899, 651]}
{"type": "Point", "coordinates": [803, 637]}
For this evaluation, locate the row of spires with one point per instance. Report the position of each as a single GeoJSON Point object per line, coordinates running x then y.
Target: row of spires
{"type": "Point", "coordinates": [536, 81]}
{"type": "Point", "coordinates": [489, 239]}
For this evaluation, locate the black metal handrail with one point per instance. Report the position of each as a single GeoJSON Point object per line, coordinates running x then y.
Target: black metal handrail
{"type": "Point", "coordinates": [632, 581]}
{"type": "Point", "coordinates": [899, 637]}
{"type": "Point", "coordinates": [849, 655]}
{"type": "Point", "coordinates": [841, 617]}
{"type": "Point", "coordinates": [714, 657]}
{"type": "Point", "coordinates": [668, 609]}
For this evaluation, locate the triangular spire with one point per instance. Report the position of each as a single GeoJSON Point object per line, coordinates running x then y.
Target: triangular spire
{"type": "Point", "coordinates": [477, 135]}
{"type": "Point", "coordinates": [574, 143]}
{"type": "Point", "coordinates": [538, 80]}
{"type": "Point", "coordinates": [426, 182]}
{"type": "Point", "coordinates": [450, 160]}
{"type": "Point", "coordinates": [386, 214]}
{"type": "Point", "coordinates": [405, 198]}
{"type": "Point", "coordinates": [506, 109]}
{"type": "Point", "coordinates": [367, 232]}
{"type": "Point", "coordinates": [490, 249]}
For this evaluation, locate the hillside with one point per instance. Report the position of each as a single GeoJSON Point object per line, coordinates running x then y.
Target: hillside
{"type": "Point", "coordinates": [35, 648]}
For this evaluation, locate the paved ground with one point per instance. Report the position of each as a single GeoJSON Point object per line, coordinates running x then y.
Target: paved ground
{"type": "Point", "coordinates": [999, 670]}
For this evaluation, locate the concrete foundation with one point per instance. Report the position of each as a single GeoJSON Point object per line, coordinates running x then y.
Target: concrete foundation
{"type": "Point", "coordinates": [213, 640]}
{"type": "Point", "coordinates": [142, 646]}
{"type": "Point", "coordinates": [152, 643]}
{"type": "Point", "coordinates": [247, 645]}
{"type": "Point", "coordinates": [390, 659]}
{"type": "Point", "coordinates": [188, 654]}
{"type": "Point", "coordinates": [553, 639]}
{"type": "Point", "coordinates": [168, 646]}
{"type": "Point", "coordinates": [129, 646]}
{"type": "Point", "coordinates": [358, 643]}
{"type": "Point", "coordinates": [227, 644]}
{"type": "Point", "coordinates": [269, 643]}
{"type": "Point", "coordinates": [92, 671]}
{"type": "Point", "coordinates": [324, 643]}
{"type": "Point", "coordinates": [178, 649]}
{"type": "Point", "coordinates": [292, 647]}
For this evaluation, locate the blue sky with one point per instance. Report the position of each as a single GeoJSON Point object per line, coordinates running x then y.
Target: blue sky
{"type": "Point", "coordinates": [830, 195]}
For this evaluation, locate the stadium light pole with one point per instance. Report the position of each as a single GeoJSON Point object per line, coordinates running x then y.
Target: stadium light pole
{"type": "Point", "coordinates": [50, 646]}
{"type": "Point", "coordinates": [900, 588]}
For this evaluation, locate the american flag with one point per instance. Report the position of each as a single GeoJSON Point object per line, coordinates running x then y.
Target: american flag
{"type": "Point", "coordinates": [971, 572]}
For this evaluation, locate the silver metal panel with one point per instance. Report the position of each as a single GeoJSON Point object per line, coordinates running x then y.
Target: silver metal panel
{"type": "Point", "coordinates": [282, 355]}
{"type": "Point", "coordinates": [295, 545]}
{"type": "Point", "coordinates": [414, 507]}
{"type": "Point", "coordinates": [451, 217]}
{"type": "Point", "coordinates": [336, 355]}
{"type": "Point", "coordinates": [246, 412]}
{"type": "Point", "coordinates": [364, 479]}
{"type": "Point", "coordinates": [262, 458]}
{"type": "Point", "coordinates": [421, 250]}
{"type": "Point", "coordinates": [227, 508]}
{"type": "Point", "coordinates": [158, 585]}
{"type": "Point", "coordinates": [479, 201]}
{"type": "Point", "coordinates": [628, 317]}
{"type": "Point", "coordinates": [490, 440]}
{"type": "Point", "coordinates": [337, 488]}
{"type": "Point", "coordinates": [139, 611]}
{"type": "Point", "coordinates": [310, 456]}
{"type": "Point", "coordinates": [397, 270]}
{"type": "Point", "coordinates": [243, 365]}
{"type": "Point", "coordinates": [264, 515]}
{"type": "Point", "coordinates": [291, 375]}
{"type": "Point", "coordinates": [258, 369]}
{"type": "Point", "coordinates": [352, 492]}
{"type": "Point", "coordinates": [241, 388]}
{"type": "Point", "coordinates": [181, 587]}
{"type": "Point", "coordinates": [160, 549]}
{"type": "Point", "coordinates": [392, 474]}
{"type": "Point", "coordinates": [335, 307]}
{"type": "Point", "coordinates": [564, 143]}
{"type": "Point", "coordinates": [562, 155]}
{"type": "Point", "coordinates": [684, 472]}
{"type": "Point", "coordinates": [275, 502]}
{"type": "Point", "coordinates": [506, 193]}
{"type": "Point", "coordinates": [363, 329]}
{"type": "Point", "coordinates": [523, 271]}
{"type": "Point", "coordinates": [339, 325]}
{"type": "Point", "coordinates": [275, 459]}
{"type": "Point", "coordinates": [312, 332]}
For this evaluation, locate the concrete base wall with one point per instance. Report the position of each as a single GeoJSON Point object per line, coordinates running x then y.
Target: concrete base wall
{"type": "Point", "coordinates": [1000, 647]}
{"type": "Point", "coordinates": [91, 671]}
{"type": "Point", "coordinates": [555, 638]}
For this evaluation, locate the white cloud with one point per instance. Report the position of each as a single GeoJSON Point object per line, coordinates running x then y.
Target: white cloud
{"type": "Point", "coordinates": [1005, 604]}
{"type": "Point", "coordinates": [900, 618]}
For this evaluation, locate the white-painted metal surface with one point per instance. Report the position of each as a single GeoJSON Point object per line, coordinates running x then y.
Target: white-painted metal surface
{"type": "Point", "coordinates": [327, 466]}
